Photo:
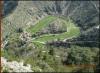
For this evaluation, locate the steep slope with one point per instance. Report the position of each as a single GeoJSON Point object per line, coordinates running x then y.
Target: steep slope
{"type": "Point", "coordinates": [84, 13]}
{"type": "Point", "coordinates": [24, 21]}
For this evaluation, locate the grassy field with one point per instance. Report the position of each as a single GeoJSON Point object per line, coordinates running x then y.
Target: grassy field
{"type": "Point", "coordinates": [69, 35]}
{"type": "Point", "coordinates": [72, 30]}
{"type": "Point", "coordinates": [41, 24]}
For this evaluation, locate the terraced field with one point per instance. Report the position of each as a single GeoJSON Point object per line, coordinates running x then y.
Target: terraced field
{"type": "Point", "coordinates": [72, 30]}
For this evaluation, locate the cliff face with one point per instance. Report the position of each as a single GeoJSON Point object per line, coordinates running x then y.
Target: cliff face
{"type": "Point", "coordinates": [80, 11]}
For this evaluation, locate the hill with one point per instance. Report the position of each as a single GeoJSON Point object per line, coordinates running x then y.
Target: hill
{"type": "Point", "coordinates": [52, 36]}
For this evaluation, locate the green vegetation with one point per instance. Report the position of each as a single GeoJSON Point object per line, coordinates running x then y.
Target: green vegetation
{"type": "Point", "coordinates": [77, 56]}
{"type": "Point", "coordinates": [41, 24]}
{"type": "Point", "coordinates": [62, 36]}
{"type": "Point", "coordinates": [72, 30]}
{"type": "Point", "coordinates": [82, 55]}
{"type": "Point", "coordinates": [43, 34]}
{"type": "Point", "coordinates": [49, 58]}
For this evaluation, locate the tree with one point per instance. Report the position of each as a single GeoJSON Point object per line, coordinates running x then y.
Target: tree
{"type": "Point", "coordinates": [79, 55]}
{"type": "Point", "coordinates": [19, 30]}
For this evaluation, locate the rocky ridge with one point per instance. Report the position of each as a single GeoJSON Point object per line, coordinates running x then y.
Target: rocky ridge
{"type": "Point", "coordinates": [14, 66]}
